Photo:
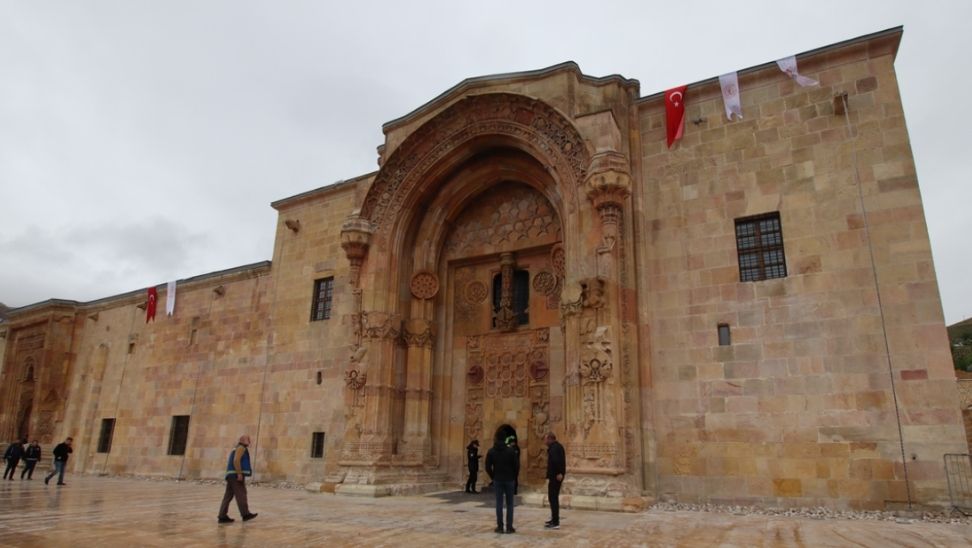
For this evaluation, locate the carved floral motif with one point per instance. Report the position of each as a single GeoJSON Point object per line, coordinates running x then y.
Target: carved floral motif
{"type": "Point", "coordinates": [475, 292]}
{"type": "Point", "coordinates": [424, 285]}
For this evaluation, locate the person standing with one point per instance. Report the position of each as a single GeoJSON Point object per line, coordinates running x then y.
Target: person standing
{"type": "Point", "coordinates": [556, 469]}
{"type": "Point", "coordinates": [511, 442]}
{"type": "Point", "coordinates": [31, 457]}
{"type": "Point", "coordinates": [502, 467]}
{"type": "Point", "coordinates": [61, 454]}
{"type": "Point", "coordinates": [13, 455]}
{"type": "Point", "coordinates": [237, 469]}
{"type": "Point", "coordinates": [472, 460]}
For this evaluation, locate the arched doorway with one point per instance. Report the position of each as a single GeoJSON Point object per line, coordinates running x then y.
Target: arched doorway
{"type": "Point", "coordinates": [503, 351]}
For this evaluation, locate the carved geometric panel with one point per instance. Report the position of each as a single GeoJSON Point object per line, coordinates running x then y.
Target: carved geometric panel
{"type": "Point", "coordinates": [510, 216]}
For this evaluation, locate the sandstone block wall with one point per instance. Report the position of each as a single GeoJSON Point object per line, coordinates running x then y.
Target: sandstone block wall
{"type": "Point", "coordinates": [800, 409]}
{"type": "Point", "coordinates": [206, 361]}
{"type": "Point", "coordinates": [295, 405]}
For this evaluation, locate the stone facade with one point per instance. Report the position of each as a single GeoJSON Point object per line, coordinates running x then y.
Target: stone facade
{"type": "Point", "coordinates": [531, 256]}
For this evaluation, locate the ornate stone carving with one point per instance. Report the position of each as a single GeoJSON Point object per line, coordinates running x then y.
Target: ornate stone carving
{"type": "Point", "coordinates": [508, 217]}
{"type": "Point", "coordinates": [475, 375]}
{"type": "Point", "coordinates": [424, 285]}
{"type": "Point", "coordinates": [506, 374]}
{"type": "Point", "coordinates": [558, 260]}
{"type": "Point", "coordinates": [421, 337]}
{"type": "Point", "coordinates": [377, 325]}
{"type": "Point", "coordinates": [475, 292]}
{"type": "Point", "coordinates": [516, 116]}
{"type": "Point", "coordinates": [608, 186]}
{"type": "Point", "coordinates": [608, 183]}
{"type": "Point", "coordinates": [355, 239]}
{"type": "Point", "coordinates": [596, 359]}
{"type": "Point", "coordinates": [589, 295]}
{"type": "Point", "coordinates": [505, 319]}
{"type": "Point", "coordinates": [544, 283]}
{"type": "Point", "coordinates": [355, 380]}
{"type": "Point", "coordinates": [465, 309]}
{"type": "Point", "coordinates": [505, 365]}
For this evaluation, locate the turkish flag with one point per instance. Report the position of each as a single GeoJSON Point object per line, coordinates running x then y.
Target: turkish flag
{"type": "Point", "coordinates": [153, 298]}
{"type": "Point", "coordinates": [675, 113]}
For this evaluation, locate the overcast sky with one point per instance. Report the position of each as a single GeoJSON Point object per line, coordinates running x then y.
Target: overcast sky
{"type": "Point", "coordinates": [144, 141]}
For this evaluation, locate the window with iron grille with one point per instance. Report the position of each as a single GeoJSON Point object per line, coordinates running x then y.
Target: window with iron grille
{"type": "Point", "coordinates": [178, 435]}
{"type": "Point", "coordinates": [759, 243]}
{"type": "Point", "coordinates": [323, 295]}
{"type": "Point", "coordinates": [107, 432]}
{"type": "Point", "coordinates": [317, 445]}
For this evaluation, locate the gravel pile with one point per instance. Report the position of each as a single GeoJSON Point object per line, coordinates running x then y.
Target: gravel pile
{"type": "Point", "coordinates": [943, 516]}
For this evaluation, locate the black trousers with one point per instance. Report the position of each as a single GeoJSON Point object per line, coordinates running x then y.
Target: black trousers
{"type": "Point", "coordinates": [11, 468]}
{"type": "Point", "coordinates": [28, 469]}
{"type": "Point", "coordinates": [553, 494]}
{"type": "Point", "coordinates": [471, 483]}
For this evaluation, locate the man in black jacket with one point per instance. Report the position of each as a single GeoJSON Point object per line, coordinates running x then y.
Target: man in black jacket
{"type": "Point", "coordinates": [556, 469]}
{"type": "Point", "coordinates": [472, 461]}
{"type": "Point", "coordinates": [31, 457]}
{"type": "Point", "coordinates": [501, 465]}
{"type": "Point", "coordinates": [12, 456]}
{"type": "Point", "coordinates": [61, 454]}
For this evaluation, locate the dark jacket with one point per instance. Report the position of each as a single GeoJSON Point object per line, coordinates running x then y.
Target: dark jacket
{"type": "Point", "coordinates": [15, 451]}
{"type": "Point", "coordinates": [472, 457]}
{"type": "Point", "coordinates": [33, 453]}
{"type": "Point", "coordinates": [556, 461]}
{"type": "Point", "coordinates": [501, 463]}
{"type": "Point", "coordinates": [62, 452]}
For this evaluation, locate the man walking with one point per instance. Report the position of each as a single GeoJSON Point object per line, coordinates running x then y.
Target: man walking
{"type": "Point", "coordinates": [472, 461]}
{"type": "Point", "coordinates": [61, 454]}
{"type": "Point", "coordinates": [237, 469]}
{"type": "Point", "coordinates": [31, 457]}
{"type": "Point", "coordinates": [13, 455]}
{"type": "Point", "coordinates": [556, 468]}
{"type": "Point", "coordinates": [501, 465]}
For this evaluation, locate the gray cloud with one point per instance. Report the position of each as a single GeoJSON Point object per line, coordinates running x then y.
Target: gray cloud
{"type": "Point", "coordinates": [121, 121]}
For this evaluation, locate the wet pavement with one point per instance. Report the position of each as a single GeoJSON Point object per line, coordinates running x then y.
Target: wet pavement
{"type": "Point", "coordinates": [93, 511]}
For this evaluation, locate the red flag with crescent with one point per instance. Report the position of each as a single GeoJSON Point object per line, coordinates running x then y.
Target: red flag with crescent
{"type": "Point", "coordinates": [675, 113]}
{"type": "Point", "coordinates": [153, 298]}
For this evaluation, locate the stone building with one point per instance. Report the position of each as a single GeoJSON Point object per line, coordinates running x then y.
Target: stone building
{"type": "Point", "coordinates": [750, 316]}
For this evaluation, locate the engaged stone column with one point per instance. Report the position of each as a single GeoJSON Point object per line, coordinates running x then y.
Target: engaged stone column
{"type": "Point", "coordinates": [591, 315]}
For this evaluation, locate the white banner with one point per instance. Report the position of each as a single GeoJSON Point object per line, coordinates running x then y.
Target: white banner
{"type": "Point", "coordinates": [789, 67]}
{"type": "Point", "coordinates": [730, 95]}
{"type": "Point", "coordinates": [170, 291]}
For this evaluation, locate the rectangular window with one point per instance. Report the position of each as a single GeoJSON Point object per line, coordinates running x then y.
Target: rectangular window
{"type": "Point", "coordinates": [107, 432]}
{"type": "Point", "coordinates": [724, 338]}
{"type": "Point", "coordinates": [759, 243]}
{"type": "Point", "coordinates": [323, 295]}
{"type": "Point", "coordinates": [178, 435]}
{"type": "Point", "coordinates": [317, 445]}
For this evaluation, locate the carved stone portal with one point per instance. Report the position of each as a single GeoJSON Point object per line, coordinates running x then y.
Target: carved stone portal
{"type": "Point", "coordinates": [507, 383]}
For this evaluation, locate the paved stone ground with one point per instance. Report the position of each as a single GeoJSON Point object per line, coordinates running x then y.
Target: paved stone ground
{"type": "Point", "coordinates": [92, 511]}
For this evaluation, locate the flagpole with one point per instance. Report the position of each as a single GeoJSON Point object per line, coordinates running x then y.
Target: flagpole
{"type": "Point", "coordinates": [877, 289]}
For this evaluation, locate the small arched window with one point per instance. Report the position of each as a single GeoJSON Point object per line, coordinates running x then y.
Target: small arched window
{"type": "Point", "coordinates": [29, 370]}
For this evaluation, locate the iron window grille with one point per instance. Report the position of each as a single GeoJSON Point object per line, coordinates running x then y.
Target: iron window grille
{"type": "Point", "coordinates": [759, 244]}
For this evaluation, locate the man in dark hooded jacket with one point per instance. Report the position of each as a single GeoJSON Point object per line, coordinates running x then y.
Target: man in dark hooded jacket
{"type": "Point", "coordinates": [502, 466]}
{"type": "Point", "coordinates": [13, 455]}
{"type": "Point", "coordinates": [472, 458]}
